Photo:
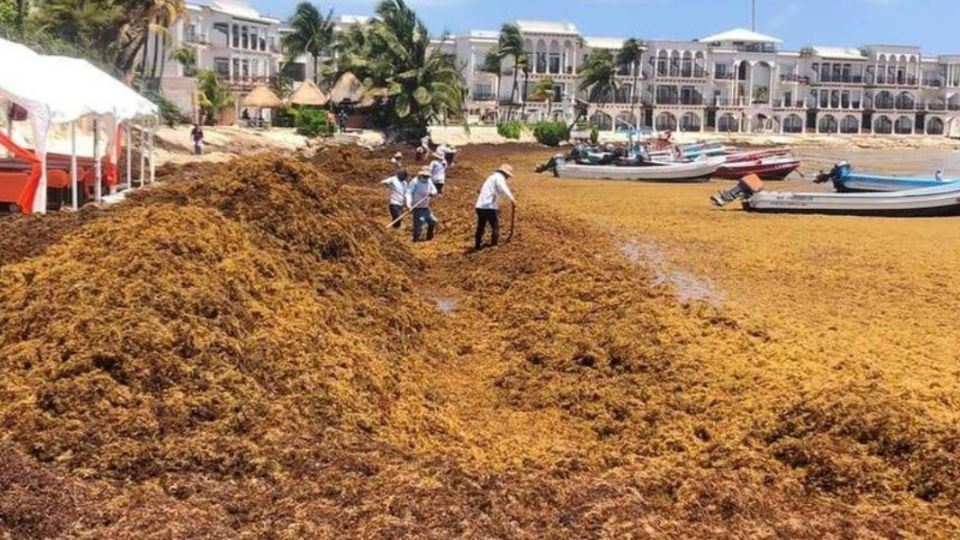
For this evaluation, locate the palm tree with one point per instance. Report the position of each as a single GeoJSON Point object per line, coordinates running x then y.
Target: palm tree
{"type": "Point", "coordinates": [312, 34]}
{"type": "Point", "coordinates": [214, 96]}
{"type": "Point", "coordinates": [511, 44]}
{"type": "Point", "coordinates": [598, 76]}
{"type": "Point", "coordinates": [543, 91]}
{"type": "Point", "coordinates": [186, 56]}
{"type": "Point", "coordinates": [492, 63]}
{"type": "Point", "coordinates": [631, 54]}
{"type": "Point", "coordinates": [416, 83]}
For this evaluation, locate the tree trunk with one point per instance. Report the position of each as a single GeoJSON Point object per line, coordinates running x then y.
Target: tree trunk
{"type": "Point", "coordinates": [156, 50]}
{"type": "Point", "coordinates": [497, 96]}
{"type": "Point", "coordinates": [523, 95]}
{"type": "Point", "coordinates": [316, 69]}
{"type": "Point", "coordinates": [516, 81]}
{"type": "Point", "coordinates": [21, 14]}
{"type": "Point", "coordinates": [163, 57]}
{"type": "Point", "coordinates": [633, 97]}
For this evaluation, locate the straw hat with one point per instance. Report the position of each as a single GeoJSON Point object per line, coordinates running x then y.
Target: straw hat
{"type": "Point", "coordinates": [439, 155]}
{"type": "Point", "coordinates": [507, 170]}
{"type": "Point", "coordinates": [425, 171]}
{"type": "Point", "coordinates": [398, 155]}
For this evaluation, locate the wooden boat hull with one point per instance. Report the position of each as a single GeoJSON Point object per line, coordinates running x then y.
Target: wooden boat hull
{"type": "Point", "coordinates": [771, 168]}
{"type": "Point", "coordinates": [692, 172]}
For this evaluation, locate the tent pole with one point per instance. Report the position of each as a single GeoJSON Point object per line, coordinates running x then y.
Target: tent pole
{"type": "Point", "coordinates": [153, 167]}
{"type": "Point", "coordinates": [129, 138]}
{"type": "Point", "coordinates": [98, 167]}
{"type": "Point", "coordinates": [143, 157]}
{"type": "Point", "coordinates": [73, 164]}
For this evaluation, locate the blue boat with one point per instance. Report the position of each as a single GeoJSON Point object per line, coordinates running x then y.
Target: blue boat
{"type": "Point", "coordinates": [846, 181]}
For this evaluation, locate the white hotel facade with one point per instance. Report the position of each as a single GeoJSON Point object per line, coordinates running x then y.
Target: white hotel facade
{"type": "Point", "coordinates": [736, 81]}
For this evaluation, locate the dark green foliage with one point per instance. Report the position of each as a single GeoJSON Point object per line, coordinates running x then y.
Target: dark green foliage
{"type": "Point", "coordinates": [510, 130]}
{"type": "Point", "coordinates": [311, 122]}
{"type": "Point", "coordinates": [551, 133]}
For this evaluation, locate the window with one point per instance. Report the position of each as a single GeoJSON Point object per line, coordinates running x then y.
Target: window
{"type": "Point", "coordinates": [236, 69]}
{"type": "Point", "coordinates": [244, 38]}
{"type": "Point", "coordinates": [236, 36]}
{"type": "Point", "coordinates": [245, 69]}
{"type": "Point", "coordinates": [296, 71]}
{"type": "Point", "coordinates": [222, 66]}
{"type": "Point", "coordinates": [190, 33]}
{"type": "Point", "coordinates": [720, 71]}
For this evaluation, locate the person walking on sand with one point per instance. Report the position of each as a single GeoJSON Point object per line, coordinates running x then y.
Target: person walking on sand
{"type": "Point", "coordinates": [197, 136]}
{"type": "Point", "coordinates": [397, 185]}
{"type": "Point", "coordinates": [438, 171]}
{"type": "Point", "coordinates": [419, 193]}
{"type": "Point", "coordinates": [488, 204]}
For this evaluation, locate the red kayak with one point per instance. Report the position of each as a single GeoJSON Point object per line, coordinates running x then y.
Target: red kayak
{"type": "Point", "coordinates": [771, 167]}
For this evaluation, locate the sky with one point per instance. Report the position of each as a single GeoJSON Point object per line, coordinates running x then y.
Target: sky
{"type": "Point", "coordinates": [931, 24]}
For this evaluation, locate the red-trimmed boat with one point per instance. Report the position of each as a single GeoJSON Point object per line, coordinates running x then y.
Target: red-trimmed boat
{"type": "Point", "coordinates": [768, 165]}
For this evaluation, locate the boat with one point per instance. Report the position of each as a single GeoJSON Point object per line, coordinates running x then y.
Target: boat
{"type": "Point", "coordinates": [689, 151]}
{"type": "Point", "coordinates": [769, 167]}
{"type": "Point", "coordinates": [846, 181]}
{"type": "Point", "coordinates": [694, 171]}
{"type": "Point", "coordinates": [941, 200]}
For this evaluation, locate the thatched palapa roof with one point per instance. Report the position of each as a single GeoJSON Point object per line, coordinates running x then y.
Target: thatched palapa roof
{"type": "Point", "coordinates": [348, 88]}
{"type": "Point", "coordinates": [309, 95]}
{"type": "Point", "coordinates": [262, 98]}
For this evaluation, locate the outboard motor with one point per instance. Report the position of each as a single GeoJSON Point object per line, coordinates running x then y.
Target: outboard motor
{"type": "Point", "coordinates": [838, 171]}
{"type": "Point", "coordinates": [746, 188]}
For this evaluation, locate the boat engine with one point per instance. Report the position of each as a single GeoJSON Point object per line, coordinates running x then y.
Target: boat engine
{"type": "Point", "coordinates": [551, 165]}
{"type": "Point", "coordinates": [745, 188]}
{"type": "Point", "coordinates": [839, 170]}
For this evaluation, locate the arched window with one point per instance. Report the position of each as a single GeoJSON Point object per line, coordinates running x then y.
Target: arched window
{"type": "Point", "coordinates": [793, 124]}
{"type": "Point", "coordinates": [850, 124]}
{"type": "Point", "coordinates": [666, 121]}
{"type": "Point", "coordinates": [690, 122]}
{"type": "Point", "coordinates": [935, 126]}
{"type": "Point", "coordinates": [728, 124]}
{"type": "Point", "coordinates": [883, 125]}
{"type": "Point", "coordinates": [904, 125]}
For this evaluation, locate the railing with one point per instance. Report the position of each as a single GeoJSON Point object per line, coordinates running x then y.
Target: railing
{"type": "Point", "coordinates": [953, 107]}
{"type": "Point", "coordinates": [724, 76]}
{"type": "Point", "coordinates": [933, 84]}
{"type": "Point", "coordinates": [727, 102]}
{"type": "Point", "coordinates": [680, 101]}
{"type": "Point", "coordinates": [245, 84]}
{"type": "Point", "coordinates": [791, 104]}
{"type": "Point", "coordinates": [483, 97]}
{"type": "Point", "coordinates": [901, 81]}
{"type": "Point", "coordinates": [934, 107]}
{"type": "Point", "coordinates": [850, 79]}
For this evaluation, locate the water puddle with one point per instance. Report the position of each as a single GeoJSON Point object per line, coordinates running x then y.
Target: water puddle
{"type": "Point", "coordinates": [687, 287]}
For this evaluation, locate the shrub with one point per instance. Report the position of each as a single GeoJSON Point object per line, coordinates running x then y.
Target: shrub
{"type": "Point", "coordinates": [551, 133]}
{"type": "Point", "coordinates": [312, 122]}
{"type": "Point", "coordinates": [170, 114]}
{"type": "Point", "coordinates": [594, 134]}
{"type": "Point", "coordinates": [510, 130]}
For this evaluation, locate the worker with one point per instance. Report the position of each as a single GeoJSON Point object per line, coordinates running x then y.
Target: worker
{"type": "Point", "coordinates": [419, 193]}
{"type": "Point", "coordinates": [488, 204]}
{"type": "Point", "coordinates": [397, 184]}
{"type": "Point", "coordinates": [196, 134]}
{"type": "Point", "coordinates": [449, 153]}
{"type": "Point", "coordinates": [420, 154]}
{"type": "Point", "coordinates": [438, 171]}
{"type": "Point", "coordinates": [939, 175]}
{"type": "Point", "coordinates": [397, 160]}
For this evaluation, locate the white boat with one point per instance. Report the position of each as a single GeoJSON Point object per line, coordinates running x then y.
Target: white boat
{"type": "Point", "coordinates": [693, 171]}
{"type": "Point", "coordinates": [943, 200]}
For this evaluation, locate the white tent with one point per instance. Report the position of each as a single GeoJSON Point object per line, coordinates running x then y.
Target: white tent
{"type": "Point", "coordinates": [60, 90]}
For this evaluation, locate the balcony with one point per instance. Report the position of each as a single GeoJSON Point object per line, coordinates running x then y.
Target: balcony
{"type": "Point", "coordinates": [695, 101]}
{"type": "Point", "coordinates": [934, 107]}
{"type": "Point", "coordinates": [933, 83]}
{"type": "Point", "coordinates": [728, 102]}
{"type": "Point", "coordinates": [893, 81]}
{"type": "Point", "coordinates": [724, 76]}
{"type": "Point", "coordinates": [848, 79]}
{"type": "Point", "coordinates": [246, 84]}
{"type": "Point", "coordinates": [485, 96]}
{"type": "Point", "coordinates": [790, 104]}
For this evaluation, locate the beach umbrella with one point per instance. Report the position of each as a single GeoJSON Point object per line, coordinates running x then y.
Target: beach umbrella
{"type": "Point", "coordinates": [309, 95]}
{"type": "Point", "coordinates": [348, 88]}
{"type": "Point", "coordinates": [261, 98]}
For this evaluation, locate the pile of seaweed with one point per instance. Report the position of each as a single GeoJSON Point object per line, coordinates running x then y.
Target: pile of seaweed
{"type": "Point", "coordinates": [248, 352]}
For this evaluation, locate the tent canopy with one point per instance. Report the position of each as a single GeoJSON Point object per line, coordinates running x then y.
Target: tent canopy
{"type": "Point", "coordinates": [57, 90]}
{"type": "Point", "coordinates": [262, 98]}
{"type": "Point", "coordinates": [309, 95]}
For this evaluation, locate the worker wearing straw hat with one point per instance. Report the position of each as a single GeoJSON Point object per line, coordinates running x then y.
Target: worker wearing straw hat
{"type": "Point", "coordinates": [419, 193]}
{"type": "Point", "coordinates": [438, 171]}
{"type": "Point", "coordinates": [488, 204]}
{"type": "Point", "coordinates": [397, 184]}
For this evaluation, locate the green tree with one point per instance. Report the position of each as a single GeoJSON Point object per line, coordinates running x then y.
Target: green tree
{"type": "Point", "coordinates": [543, 91]}
{"type": "Point", "coordinates": [312, 34]}
{"type": "Point", "coordinates": [9, 13]}
{"type": "Point", "coordinates": [493, 63]}
{"type": "Point", "coordinates": [214, 96]}
{"type": "Point", "coordinates": [414, 82]}
{"type": "Point", "coordinates": [186, 56]}
{"type": "Point", "coordinates": [631, 54]}
{"type": "Point", "coordinates": [510, 44]}
{"type": "Point", "coordinates": [598, 76]}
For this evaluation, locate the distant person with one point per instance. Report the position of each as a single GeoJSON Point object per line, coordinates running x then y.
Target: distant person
{"type": "Point", "coordinates": [449, 154]}
{"type": "Point", "coordinates": [196, 134]}
{"type": "Point", "coordinates": [397, 185]}
{"type": "Point", "coordinates": [419, 193]}
{"type": "Point", "coordinates": [939, 175]}
{"type": "Point", "coordinates": [438, 171]}
{"type": "Point", "coordinates": [245, 115]}
{"type": "Point", "coordinates": [488, 204]}
{"type": "Point", "coordinates": [342, 118]}
{"type": "Point", "coordinates": [420, 154]}
{"type": "Point", "coordinates": [397, 160]}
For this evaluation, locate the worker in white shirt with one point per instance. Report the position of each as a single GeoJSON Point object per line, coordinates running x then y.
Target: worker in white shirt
{"type": "Point", "coordinates": [419, 193]}
{"type": "Point", "coordinates": [397, 185]}
{"type": "Point", "coordinates": [438, 171]}
{"type": "Point", "coordinates": [448, 152]}
{"type": "Point", "coordinates": [488, 204]}
{"type": "Point", "coordinates": [397, 160]}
